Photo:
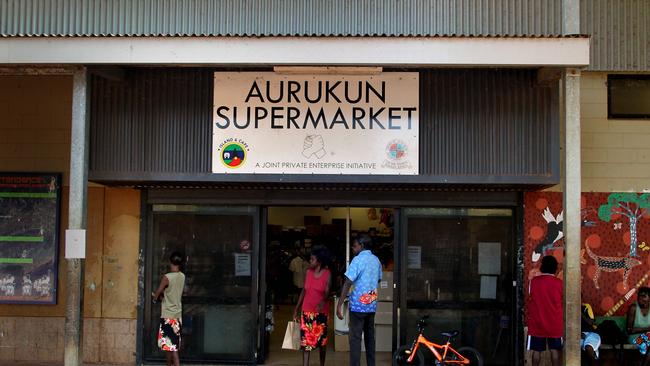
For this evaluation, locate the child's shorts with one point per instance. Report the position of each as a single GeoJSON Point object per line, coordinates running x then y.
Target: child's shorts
{"type": "Point", "coordinates": [539, 343]}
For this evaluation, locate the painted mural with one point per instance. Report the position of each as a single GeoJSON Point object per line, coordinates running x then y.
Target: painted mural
{"type": "Point", "coordinates": [615, 244]}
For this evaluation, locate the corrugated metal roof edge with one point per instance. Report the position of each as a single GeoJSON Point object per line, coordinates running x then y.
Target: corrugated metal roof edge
{"type": "Point", "coordinates": [330, 187]}
{"type": "Point", "coordinates": [296, 35]}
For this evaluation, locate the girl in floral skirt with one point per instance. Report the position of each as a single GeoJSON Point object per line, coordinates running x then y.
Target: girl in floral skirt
{"type": "Point", "coordinates": [313, 306]}
{"type": "Point", "coordinates": [171, 290]}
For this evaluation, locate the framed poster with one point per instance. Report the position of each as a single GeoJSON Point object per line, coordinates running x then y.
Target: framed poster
{"type": "Point", "coordinates": [29, 237]}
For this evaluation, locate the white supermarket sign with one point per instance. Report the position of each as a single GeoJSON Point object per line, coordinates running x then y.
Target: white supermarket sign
{"type": "Point", "coordinates": [268, 123]}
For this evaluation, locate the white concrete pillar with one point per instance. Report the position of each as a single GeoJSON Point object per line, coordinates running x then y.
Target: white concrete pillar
{"type": "Point", "coordinates": [572, 190]}
{"type": "Point", "coordinates": [73, 343]}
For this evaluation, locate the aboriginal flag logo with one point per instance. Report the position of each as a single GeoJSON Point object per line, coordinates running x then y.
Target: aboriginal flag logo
{"type": "Point", "coordinates": [233, 155]}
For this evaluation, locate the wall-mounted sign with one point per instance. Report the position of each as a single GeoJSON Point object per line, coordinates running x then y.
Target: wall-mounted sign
{"type": "Point", "coordinates": [29, 237]}
{"type": "Point", "coordinates": [315, 124]}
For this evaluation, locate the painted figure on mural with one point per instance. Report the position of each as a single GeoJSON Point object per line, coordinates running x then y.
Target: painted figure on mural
{"type": "Point", "coordinates": [630, 205]}
{"type": "Point", "coordinates": [365, 273]}
{"type": "Point", "coordinates": [171, 309]}
{"type": "Point", "coordinates": [554, 233]}
{"type": "Point", "coordinates": [545, 313]}
{"type": "Point", "coordinates": [312, 309]}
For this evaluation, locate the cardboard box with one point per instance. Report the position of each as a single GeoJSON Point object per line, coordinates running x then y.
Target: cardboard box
{"type": "Point", "coordinates": [342, 343]}
{"type": "Point", "coordinates": [384, 314]}
{"type": "Point", "coordinates": [385, 287]}
{"type": "Point", "coordinates": [313, 230]}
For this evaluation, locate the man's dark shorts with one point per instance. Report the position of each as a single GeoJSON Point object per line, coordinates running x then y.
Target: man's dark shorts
{"type": "Point", "coordinates": [539, 343]}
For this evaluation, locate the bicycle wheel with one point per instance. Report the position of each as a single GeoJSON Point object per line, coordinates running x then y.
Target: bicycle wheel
{"type": "Point", "coordinates": [474, 357]}
{"type": "Point", "coordinates": [401, 356]}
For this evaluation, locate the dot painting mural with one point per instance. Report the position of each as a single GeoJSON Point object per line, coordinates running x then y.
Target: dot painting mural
{"type": "Point", "coordinates": [615, 244]}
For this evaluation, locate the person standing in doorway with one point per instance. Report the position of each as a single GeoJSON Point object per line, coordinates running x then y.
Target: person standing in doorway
{"type": "Point", "coordinates": [546, 313]}
{"type": "Point", "coordinates": [365, 273]}
{"type": "Point", "coordinates": [298, 267]}
{"type": "Point", "coordinates": [313, 306]}
{"type": "Point", "coordinates": [171, 310]}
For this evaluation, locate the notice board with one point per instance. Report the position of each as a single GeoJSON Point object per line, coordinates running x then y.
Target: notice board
{"type": "Point", "coordinates": [29, 237]}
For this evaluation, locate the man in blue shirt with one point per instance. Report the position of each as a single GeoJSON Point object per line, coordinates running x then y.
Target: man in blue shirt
{"type": "Point", "coordinates": [365, 273]}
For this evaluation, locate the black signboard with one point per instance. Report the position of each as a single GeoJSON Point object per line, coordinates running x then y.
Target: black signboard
{"type": "Point", "coordinates": [29, 237]}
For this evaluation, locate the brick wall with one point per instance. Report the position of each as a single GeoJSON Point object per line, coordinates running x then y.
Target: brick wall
{"type": "Point", "coordinates": [41, 339]}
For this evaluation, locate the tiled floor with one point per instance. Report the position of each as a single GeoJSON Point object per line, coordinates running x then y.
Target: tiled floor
{"type": "Point", "coordinates": [279, 357]}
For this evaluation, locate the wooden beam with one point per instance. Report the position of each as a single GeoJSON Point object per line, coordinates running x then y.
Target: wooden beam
{"type": "Point", "coordinates": [36, 70]}
{"type": "Point", "coordinates": [548, 75]}
{"type": "Point", "coordinates": [114, 73]}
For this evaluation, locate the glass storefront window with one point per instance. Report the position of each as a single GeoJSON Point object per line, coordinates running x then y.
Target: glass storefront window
{"type": "Point", "coordinates": [460, 267]}
{"type": "Point", "coordinates": [218, 319]}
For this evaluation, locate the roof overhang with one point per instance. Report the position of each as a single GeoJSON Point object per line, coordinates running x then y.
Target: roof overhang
{"type": "Point", "coordinates": [266, 51]}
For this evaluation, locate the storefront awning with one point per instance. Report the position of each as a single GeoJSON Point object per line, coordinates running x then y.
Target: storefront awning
{"type": "Point", "coordinates": [265, 51]}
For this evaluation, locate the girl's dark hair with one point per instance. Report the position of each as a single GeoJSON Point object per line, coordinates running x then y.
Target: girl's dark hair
{"type": "Point", "coordinates": [643, 291]}
{"type": "Point", "coordinates": [549, 264]}
{"type": "Point", "coordinates": [176, 258]}
{"type": "Point", "coordinates": [322, 255]}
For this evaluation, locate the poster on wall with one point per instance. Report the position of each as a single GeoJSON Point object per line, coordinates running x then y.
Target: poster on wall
{"type": "Point", "coordinates": [29, 237]}
{"type": "Point", "coordinates": [414, 257]}
{"type": "Point", "coordinates": [268, 123]}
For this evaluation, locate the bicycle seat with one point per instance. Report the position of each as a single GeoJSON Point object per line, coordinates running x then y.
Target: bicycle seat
{"type": "Point", "coordinates": [450, 334]}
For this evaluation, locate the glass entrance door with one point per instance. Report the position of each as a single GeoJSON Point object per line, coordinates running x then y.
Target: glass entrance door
{"type": "Point", "coordinates": [220, 297]}
{"type": "Point", "coordinates": [457, 266]}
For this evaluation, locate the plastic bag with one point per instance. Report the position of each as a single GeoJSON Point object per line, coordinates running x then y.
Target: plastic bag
{"type": "Point", "coordinates": [292, 336]}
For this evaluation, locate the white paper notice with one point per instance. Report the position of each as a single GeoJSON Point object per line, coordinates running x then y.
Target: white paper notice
{"type": "Point", "coordinates": [489, 258]}
{"type": "Point", "coordinates": [242, 264]}
{"type": "Point", "coordinates": [75, 244]}
{"type": "Point", "coordinates": [489, 287]}
{"type": "Point", "coordinates": [414, 257]}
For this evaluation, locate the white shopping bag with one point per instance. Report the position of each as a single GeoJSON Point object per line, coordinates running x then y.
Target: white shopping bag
{"type": "Point", "coordinates": [292, 336]}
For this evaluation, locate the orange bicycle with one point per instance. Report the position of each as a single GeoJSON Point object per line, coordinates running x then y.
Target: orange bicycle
{"type": "Point", "coordinates": [444, 354]}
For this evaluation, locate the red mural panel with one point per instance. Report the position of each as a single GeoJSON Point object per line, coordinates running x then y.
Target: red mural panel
{"type": "Point", "coordinates": [615, 244]}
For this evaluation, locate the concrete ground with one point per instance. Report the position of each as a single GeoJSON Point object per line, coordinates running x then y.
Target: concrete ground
{"type": "Point", "coordinates": [288, 358]}
{"type": "Point", "coordinates": [277, 356]}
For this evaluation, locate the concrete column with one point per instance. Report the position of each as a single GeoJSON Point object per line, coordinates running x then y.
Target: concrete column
{"type": "Point", "coordinates": [73, 353]}
{"type": "Point", "coordinates": [572, 190]}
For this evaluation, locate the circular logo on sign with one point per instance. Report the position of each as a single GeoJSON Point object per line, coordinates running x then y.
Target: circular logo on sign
{"type": "Point", "coordinates": [233, 155]}
{"type": "Point", "coordinates": [396, 150]}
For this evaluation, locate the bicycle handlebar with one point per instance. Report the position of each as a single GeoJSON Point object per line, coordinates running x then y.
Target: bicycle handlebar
{"type": "Point", "coordinates": [422, 323]}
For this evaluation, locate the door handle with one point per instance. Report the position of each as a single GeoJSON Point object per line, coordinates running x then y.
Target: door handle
{"type": "Point", "coordinates": [428, 285]}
